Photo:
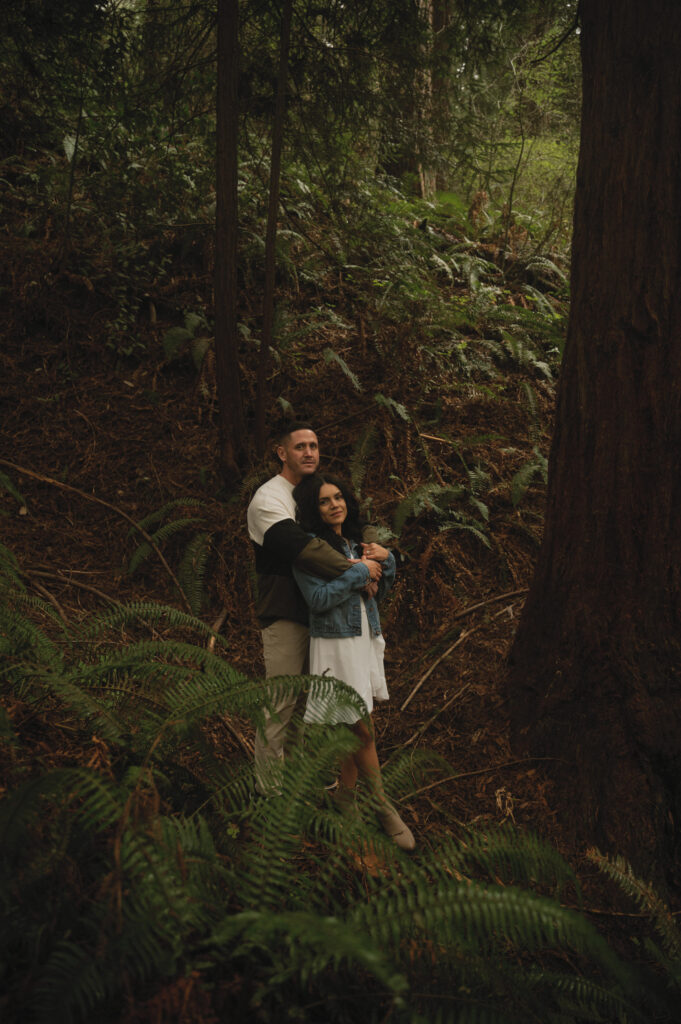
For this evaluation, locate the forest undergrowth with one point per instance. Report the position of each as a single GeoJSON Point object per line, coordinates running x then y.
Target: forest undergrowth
{"type": "Point", "coordinates": [140, 879]}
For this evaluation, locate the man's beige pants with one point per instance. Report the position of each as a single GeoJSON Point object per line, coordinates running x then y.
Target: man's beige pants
{"type": "Point", "coordinates": [286, 647]}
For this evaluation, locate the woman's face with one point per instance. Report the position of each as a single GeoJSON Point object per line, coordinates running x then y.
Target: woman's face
{"type": "Point", "coordinates": [332, 507]}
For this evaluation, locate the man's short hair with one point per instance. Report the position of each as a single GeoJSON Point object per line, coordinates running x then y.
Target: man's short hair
{"type": "Point", "coordinates": [291, 428]}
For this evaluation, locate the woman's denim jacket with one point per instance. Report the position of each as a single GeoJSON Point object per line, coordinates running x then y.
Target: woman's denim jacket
{"type": "Point", "coordinates": [335, 605]}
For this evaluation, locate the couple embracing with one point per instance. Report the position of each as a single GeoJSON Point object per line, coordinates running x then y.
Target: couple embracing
{"type": "Point", "coordinates": [320, 572]}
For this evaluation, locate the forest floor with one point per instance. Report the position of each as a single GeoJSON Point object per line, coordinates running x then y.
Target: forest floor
{"type": "Point", "coordinates": [93, 446]}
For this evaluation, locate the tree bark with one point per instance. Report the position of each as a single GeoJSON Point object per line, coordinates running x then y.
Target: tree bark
{"type": "Point", "coordinates": [272, 219]}
{"type": "Point", "coordinates": [228, 376]}
{"type": "Point", "coordinates": [595, 669]}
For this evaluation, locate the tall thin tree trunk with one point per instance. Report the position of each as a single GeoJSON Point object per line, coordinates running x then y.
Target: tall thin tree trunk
{"type": "Point", "coordinates": [228, 377]}
{"type": "Point", "coordinates": [272, 217]}
{"type": "Point", "coordinates": [595, 671]}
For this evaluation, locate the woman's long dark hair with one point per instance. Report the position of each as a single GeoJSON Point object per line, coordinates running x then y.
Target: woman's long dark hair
{"type": "Point", "coordinates": [306, 496]}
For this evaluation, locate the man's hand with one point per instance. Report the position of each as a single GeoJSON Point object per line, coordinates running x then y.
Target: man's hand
{"type": "Point", "coordinates": [375, 551]}
{"type": "Point", "coordinates": [375, 568]}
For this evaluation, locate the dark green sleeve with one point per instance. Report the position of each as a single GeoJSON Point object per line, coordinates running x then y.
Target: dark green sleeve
{"type": "Point", "coordinates": [320, 559]}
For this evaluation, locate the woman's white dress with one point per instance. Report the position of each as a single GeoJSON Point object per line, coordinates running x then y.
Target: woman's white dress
{"type": "Point", "coordinates": [358, 661]}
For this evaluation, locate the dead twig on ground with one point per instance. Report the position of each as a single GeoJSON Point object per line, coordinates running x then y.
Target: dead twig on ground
{"type": "Point", "coordinates": [478, 771]}
{"type": "Point", "coordinates": [71, 583]}
{"type": "Point", "coordinates": [113, 508]}
{"type": "Point", "coordinates": [462, 636]}
{"type": "Point", "coordinates": [216, 627]}
{"type": "Point", "coordinates": [245, 744]}
{"type": "Point", "coordinates": [422, 728]}
{"type": "Point", "coordinates": [52, 599]}
{"type": "Point", "coordinates": [419, 732]}
{"type": "Point", "coordinates": [490, 600]}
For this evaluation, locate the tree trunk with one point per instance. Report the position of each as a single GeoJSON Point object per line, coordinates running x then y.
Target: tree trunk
{"type": "Point", "coordinates": [272, 219]}
{"type": "Point", "coordinates": [595, 670]}
{"type": "Point", "coordinates": [228, 377]}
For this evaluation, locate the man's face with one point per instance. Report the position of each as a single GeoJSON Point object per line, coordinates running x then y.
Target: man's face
{"type": "Point", "coordinates": [299, 455]}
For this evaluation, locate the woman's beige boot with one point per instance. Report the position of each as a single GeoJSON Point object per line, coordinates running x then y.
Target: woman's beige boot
{"type": "Point", "coordinates": [393, 826]}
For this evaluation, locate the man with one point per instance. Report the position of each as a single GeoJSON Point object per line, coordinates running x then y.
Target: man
{"type": "Point", "coordinates": [282, 613]}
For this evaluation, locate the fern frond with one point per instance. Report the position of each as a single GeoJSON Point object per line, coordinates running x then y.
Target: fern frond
{"type": "Point", "coordinates": [312, 943]}
{"type": "Point", "coordinates": [21, 641]}
{"type": "Point", "coordinates": [469, 915]}
{"type": "Point", "coordinates": [458, 521]}
{"type": "Point", "coordinates": [332, 357]}
{"type": "Point", "coordinates": [510, 856]}
{"type": "Point", "coordinates": [94, 800]}
{"type": "Point", "coordinates": [7, 485]}
{"type": "Point", "coordinates": [147, 613]}
{"type": "Point", "coordinates": [192, 570]}
{"type": "Point", "coordinates": [427, 496]}
{"type": "Point", "coordinates": [362, 451]}
{"type": "Point", "coordinates": [538, 466]}
{"type": "Point", "coordinates": [644, 896]}
{"type": "Point", "coordinates": [395, 408]}
{"type": "Point", "coordinates": [159, 514]}
{"type": "Point", "coordinates": [541, 302]}
{"type": "Point", "coordinates": [577, 996]}
{"type": "Point", "coordinates": [278, 824]}
{"type": "Point", "coordinates": [96, 711]}
{"type": "Point", "coordinates": [542, 263]}
{"type": "Point", "coordinates": [10, 575]}
{"type": "Point", "coordinates": [70, 985]}
{"type": "Point", "coordinates": [164, 532]}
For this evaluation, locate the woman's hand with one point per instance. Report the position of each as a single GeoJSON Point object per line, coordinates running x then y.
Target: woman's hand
{"type": "Point", "coordinates": [375, 551]}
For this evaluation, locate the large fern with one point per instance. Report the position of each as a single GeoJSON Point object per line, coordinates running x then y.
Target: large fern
{"type": "Point", "coordinates": [113, 882]}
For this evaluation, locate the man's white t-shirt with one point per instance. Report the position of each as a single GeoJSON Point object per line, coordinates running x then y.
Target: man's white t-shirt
{"type": "Point", "coordinates": [271, 503]}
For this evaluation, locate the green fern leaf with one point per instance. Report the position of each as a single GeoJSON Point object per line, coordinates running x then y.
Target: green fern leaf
{"type": "Point", "coordinates": [192, 570]}
{"type": "Point", "coordinates": [7, 485]}
{"type": "Point", "coordinates": [395, 408]}
{"type": "Point", "coordinates": [364, 447]}
{"type": "Point", "coordinates": [332, 357]}
{"type": "Point", "coordinates": [162, 534]}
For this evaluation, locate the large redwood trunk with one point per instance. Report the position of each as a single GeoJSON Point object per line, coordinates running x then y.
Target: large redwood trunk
{"type": "Point", "coordinates": [595, 671]}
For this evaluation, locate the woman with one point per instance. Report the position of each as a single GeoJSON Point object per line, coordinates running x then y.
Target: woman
{"type": "Point", "coordinates": [345, 634]}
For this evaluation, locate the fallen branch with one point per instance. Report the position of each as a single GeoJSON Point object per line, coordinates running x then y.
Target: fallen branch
{"type": "Point", "coordinates": [216, 627]}
{"type": "Point", "coordinates": [490, 600]}
{"type": "Point", "coordinates": [53, 601]}
{"type": "Point", "coordinates": [106, 504]}
{"type": "Point", "coordinates": [461, 637]}
{"type": "Point", "coordinates": [419, 732]}
{"type": "Point", "coordinates": [478, 771]}
{"type": "Point", "coordinates": [460, 640]}
{"type": "Point", "coordinates": [245, 744]}
{"type": "Point", "coordinates": [70, 582]}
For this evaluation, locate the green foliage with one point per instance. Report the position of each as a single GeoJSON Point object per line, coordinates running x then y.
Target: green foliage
{"type": "Point", "coordinates": [649, 902]}
{"type": "Point", "coordinates": [332, 357]}
{"type": "Point", "coordinates": [115, 881]}
{"type": "Point", "coordinates": [439, 500]}
{"type": "Point", "coordinates": [192, 570]}
{"type": "Point", "coordinates": [7, 485]}
{"type": "Point", "coordinates": [192, 336]}
{"type": "Point", "coordinates": [537, 466]}
{"type": "Point", "coordinates": [362, 451]}
{"type": "Point", "coordinates": [395, 408]}
{"type": "Point", "coordinates": [193, 564]}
